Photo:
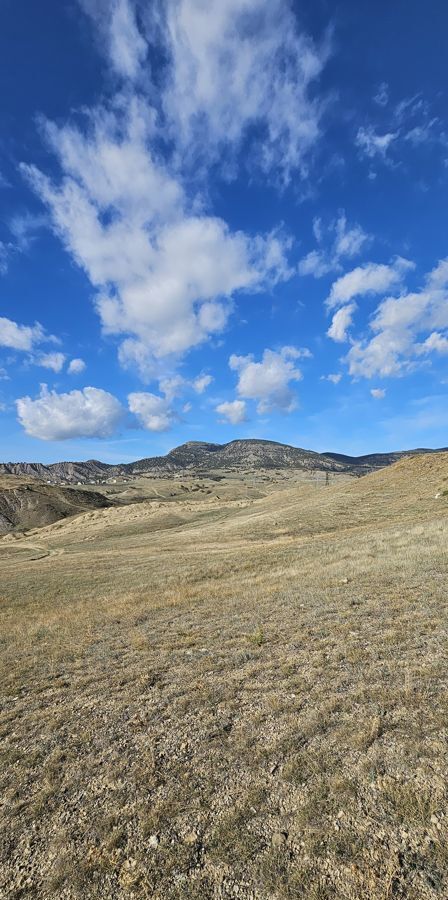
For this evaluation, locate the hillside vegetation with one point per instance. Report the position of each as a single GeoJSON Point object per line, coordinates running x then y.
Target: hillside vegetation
{"type": "Point", "coordinates": [236, 691]}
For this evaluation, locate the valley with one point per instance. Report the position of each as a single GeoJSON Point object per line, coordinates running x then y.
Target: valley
{"type": "Point", "coordinates": [230, 688]}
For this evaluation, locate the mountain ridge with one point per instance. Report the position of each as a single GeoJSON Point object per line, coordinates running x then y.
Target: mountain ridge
{"type": "Point", "coordinates": [236, 455]}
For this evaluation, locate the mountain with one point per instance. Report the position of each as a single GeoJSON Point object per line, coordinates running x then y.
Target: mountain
{"type": "Point", "coordinates": [201, 457]}
{"type": "Point", "coordinates": [26, 503]}
{"type": "Point", "coordinates": [236, 456]}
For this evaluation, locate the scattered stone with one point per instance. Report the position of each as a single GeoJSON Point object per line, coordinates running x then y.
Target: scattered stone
{"type": "Point", "coordinates": [191, 837]}
{"type": "Point", "coordinates": [154, 841]}
{"type": "Point", "coordinates": [279, 838]}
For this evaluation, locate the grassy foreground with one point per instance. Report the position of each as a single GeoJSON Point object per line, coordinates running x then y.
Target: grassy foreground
{"type": "Point", "coordinates": [237, 696]}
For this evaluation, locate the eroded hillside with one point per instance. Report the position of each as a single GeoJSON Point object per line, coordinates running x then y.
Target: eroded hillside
{"type": "Point", "coordinates": [27, 503]}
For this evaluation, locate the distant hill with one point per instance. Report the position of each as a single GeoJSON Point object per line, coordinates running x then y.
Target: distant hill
{"type": "Point", "coordinates": [201, 457]}
{"type": "Point", "coordinates": [373, 461]}
{"type": "Point", "coordinates": [26, 504]}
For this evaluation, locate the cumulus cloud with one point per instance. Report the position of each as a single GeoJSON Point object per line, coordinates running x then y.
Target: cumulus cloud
{"type": "Point", "coordinates": [369, 279]}
{"type": "Point", "coordinates": [153, 412]}
{"type": "Point", "coordinates": [233, 412]}
{"type": "Point", "coordinates": [404, 329]}
{"type": "Point", "coordinates": [20, 337]}
{"type": "Point", "coordinates": [435, 342]}
{"type": "Point", "coordinates": [345, 241]}
{"type": "Point", "coordinates": [268, 381]}
{"type": "Point", "coordinates": [76, 366]}
{"type": "Point", "coordinates": [378, 393]}
{"type": "Point", "coordinates": [58, 417]}
{"type": "Point", "coordinates": [172, 386]}
{"type": "Point", "coordinates": [54, 361]}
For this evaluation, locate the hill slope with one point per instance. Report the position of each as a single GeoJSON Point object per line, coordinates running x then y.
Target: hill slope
{"type": "Point", "coordinates": [28, 504]}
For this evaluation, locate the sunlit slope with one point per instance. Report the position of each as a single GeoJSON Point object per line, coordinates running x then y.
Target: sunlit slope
{"type": "Point", "coordinates": [176, 548]}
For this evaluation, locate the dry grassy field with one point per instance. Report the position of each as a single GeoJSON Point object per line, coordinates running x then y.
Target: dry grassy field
{"type": "Point", "coordinates": [230, 689]}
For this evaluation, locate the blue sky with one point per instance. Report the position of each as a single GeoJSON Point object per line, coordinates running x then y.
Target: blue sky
{"type": "Point", "coordinates": [222, 220]}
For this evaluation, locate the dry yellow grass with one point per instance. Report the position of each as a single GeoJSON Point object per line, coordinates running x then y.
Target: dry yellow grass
{"type": "Point", "coordinates": [230, 694]}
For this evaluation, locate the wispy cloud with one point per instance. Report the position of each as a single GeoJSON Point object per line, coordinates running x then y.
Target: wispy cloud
{"type": "Point", "coordinates": [343, 241]}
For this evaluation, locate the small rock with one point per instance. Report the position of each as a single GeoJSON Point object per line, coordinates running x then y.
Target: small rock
{"type": "Point", "coordinates": [344, 581]}
{"type": "Point", "coordinates": [154, 841]}
{"type": "Point", "coordinates": [434, 820]}
{"type": "Point", "coordinates": [279, 838]}
{"type": "Point", "coordinates": [191, 837]}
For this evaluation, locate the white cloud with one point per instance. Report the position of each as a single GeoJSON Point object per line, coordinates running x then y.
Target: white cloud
{"type": "Point", "coordinates": [378, 393]}
{"type": "Point", "coordinates": [202, 382]}
{"type": "Point", "coordinates": [268, 381]}
{"type": "Point", "coordinates": [5, 252]}
{"type": "Point", "coordinates": [345, 242]}
{"type": "Point", "coordinates": [20, 337]}
{"type": "Point", "coordinates": [125, 47]}
{"type": "Point", "coordinates": [171, 386]}
{"type": "Point", "coordinates": [166, 277]}
{"type": "Point", "coordinates": [435, 342]}
{"type": "Point", "coordinates": [371, 278]}
{"type": "Point", "coordinates": [76, 366]}
{"type": "Point", "coordinates": [153, 412]}
{"type": "Point", "coordinates": [420, 134]}
{"type": "Point", "coordinates": [54, 361]}
{"type": "Point", "coordinates": [240, 70]}
{"type": "Point", "coordinates": [437, 279]}
{"type": "Point", "coordinates": [333, 378]}
{"type": "Point", "coordinates": [58, 417]}
{"type": "Point", "coordinates": [411, 124]}
{"type": "Point", "coordinates": [371, 144]}
{"type": "Point", "coordinates": [22, 228]}
{"type": "Point", "coordinates": [233, 411]}
{"type": "Point", "coordinates": [405, 329]}
{"type": "Point", "coordinates": [341, 322]}
{"type": "Point", "coordinates": [382, 95]}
